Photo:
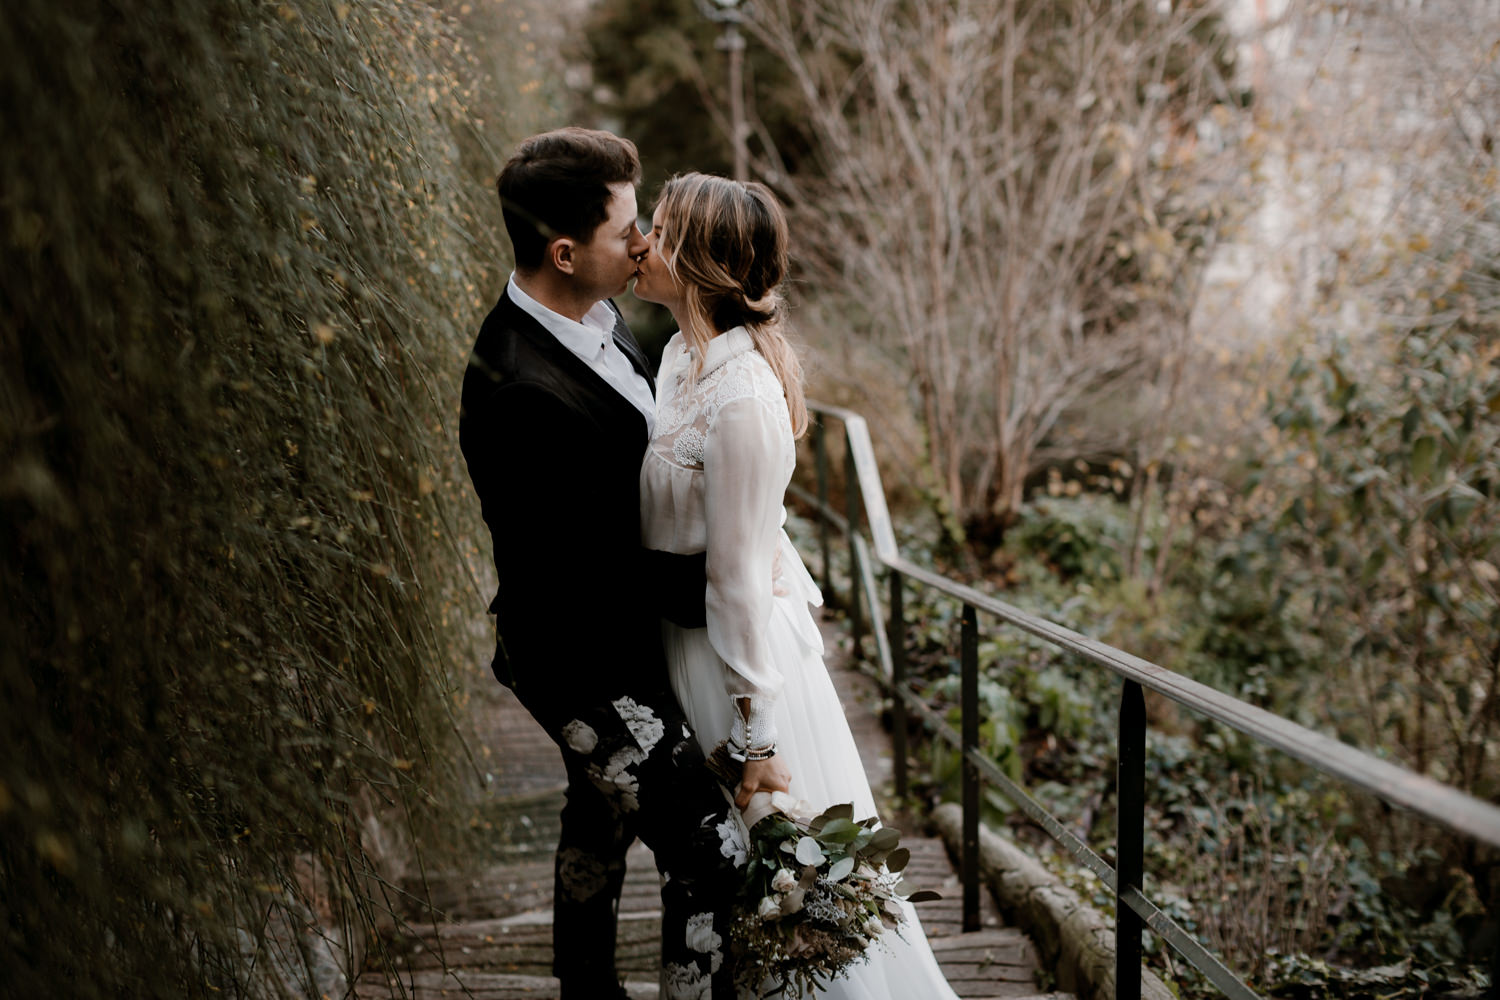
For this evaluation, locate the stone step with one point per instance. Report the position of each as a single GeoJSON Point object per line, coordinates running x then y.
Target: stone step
{"type": "Point", "coordinates": [520, 827]}
{"type": "Point", "coordinates": [433, 984]}
{"type": "Point", "coordinates": [522, 886]}
{"type": "Point", "coordinates": [500, 922]}
{"type": "Point", "coordinates": [526, 948]}
{"type": "Point", "coordinates": [468, 984]}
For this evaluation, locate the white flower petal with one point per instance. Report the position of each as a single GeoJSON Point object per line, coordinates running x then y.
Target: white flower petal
{"type": "Point", "coordinates": [580, 736]}
{"type": "Point", "coordinates": [641, 721]}
{"type": "Point", "coordinates": [700, 933]}
{"type": "Point", "coordinates": [732, 842]}
{"type": "Point", "coordinates": [683, 982]}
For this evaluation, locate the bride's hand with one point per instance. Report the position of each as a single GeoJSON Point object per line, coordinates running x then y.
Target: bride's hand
{"type": "Point", "coordinates": [769, 775]}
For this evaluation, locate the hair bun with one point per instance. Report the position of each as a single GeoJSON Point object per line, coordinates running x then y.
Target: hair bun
{"type": "Point", "coordinates": [762, 306]}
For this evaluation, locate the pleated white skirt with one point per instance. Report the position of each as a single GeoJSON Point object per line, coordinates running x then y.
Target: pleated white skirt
{"type": "Point", "coordinates": [814, 740]}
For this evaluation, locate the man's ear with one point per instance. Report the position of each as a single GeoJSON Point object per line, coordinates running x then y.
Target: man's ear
{"type": "Point", "coordinates": [560, 254]}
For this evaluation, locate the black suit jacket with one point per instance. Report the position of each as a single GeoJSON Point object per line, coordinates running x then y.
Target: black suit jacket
{"type": "Point", "coordinates": [555, 455]}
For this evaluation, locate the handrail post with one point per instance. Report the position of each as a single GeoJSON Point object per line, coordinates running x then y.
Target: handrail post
{"type": "Point", "coordinates": [1130, 840]}
{"type": "Point", "coordinates": [970, 742]}
{"type": "Point", "coordinates": [896, 633]}
{"type": "Point", "coordinates": [820, 449]}
{"type": "Point", "coordinates": [851, 505]}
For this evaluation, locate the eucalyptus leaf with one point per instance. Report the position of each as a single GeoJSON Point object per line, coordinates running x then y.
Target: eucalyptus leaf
{"type": "Point", "coordinates": [897, 859]}
{"type": "Point", "coordinates": [844, 810]}
{"type": "Point", "coordinates": [923, 896]}
{"type": "Point", "coordinates": [838, 831]}
{"type": "Point", "coordinates": [809, 851]}
{"type": "Point", "coordinates": [841, 869]}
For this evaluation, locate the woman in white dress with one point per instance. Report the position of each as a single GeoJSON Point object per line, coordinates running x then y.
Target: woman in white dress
{"type": "Point", "coordinates": [729, 407]}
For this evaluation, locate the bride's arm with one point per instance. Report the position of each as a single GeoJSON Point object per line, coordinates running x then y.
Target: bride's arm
{"type": "Point", "coordinates": [744, 483]}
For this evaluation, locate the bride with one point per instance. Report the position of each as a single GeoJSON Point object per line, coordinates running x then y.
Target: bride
{"type": "Point", "coordinates": [729, 407]}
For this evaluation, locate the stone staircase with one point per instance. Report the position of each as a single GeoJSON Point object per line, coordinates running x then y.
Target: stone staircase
{"type": "Point", "coordinates": [487, 934]}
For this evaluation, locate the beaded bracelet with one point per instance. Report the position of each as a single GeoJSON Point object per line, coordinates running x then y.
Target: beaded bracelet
{"type": "Point", "coordinates": [761, 753]}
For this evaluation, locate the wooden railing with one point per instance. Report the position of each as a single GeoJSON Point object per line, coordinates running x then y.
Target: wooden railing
{"type": "Point", "coordinates": [1448, 807]}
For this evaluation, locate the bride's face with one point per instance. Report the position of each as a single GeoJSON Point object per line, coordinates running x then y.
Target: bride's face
{"type": "Point", "coordinates": [653, 282]}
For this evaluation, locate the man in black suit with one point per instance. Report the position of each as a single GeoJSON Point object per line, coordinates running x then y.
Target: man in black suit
{"type": "Point", "coordinates": [557, 413]}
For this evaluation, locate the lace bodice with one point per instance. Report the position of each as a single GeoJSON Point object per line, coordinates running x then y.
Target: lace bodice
{"type": "Point", "coordinates": [713, 481]}
{"type": "Point", "coordinates": [732, 372]}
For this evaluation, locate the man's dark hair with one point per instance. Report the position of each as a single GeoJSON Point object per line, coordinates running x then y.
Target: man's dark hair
{"type": "Point", "coordinates": [557, 184]}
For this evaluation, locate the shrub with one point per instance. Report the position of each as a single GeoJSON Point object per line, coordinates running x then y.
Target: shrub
{"type": "Point", "coordinates": [236, 291]}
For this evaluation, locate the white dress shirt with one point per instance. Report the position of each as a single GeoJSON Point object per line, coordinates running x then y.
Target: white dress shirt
{"type": "Point", "coordinates": [593, 342]}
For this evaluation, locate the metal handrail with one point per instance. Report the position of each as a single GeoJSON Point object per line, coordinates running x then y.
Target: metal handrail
{"type": "Point", "coordinates": [1433, 800]}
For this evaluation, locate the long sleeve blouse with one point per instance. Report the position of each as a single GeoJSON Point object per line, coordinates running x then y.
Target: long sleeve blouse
{"type": "Point", "coordinates": [713, 481]}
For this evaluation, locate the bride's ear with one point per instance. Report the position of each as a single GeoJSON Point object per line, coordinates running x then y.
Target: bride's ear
{"type": "Point", "coordinates": [560, 254]}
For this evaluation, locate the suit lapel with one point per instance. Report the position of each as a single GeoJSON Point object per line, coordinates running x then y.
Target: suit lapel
{"type": "Point", "coordinates": [572, 366]}
{"type": "Point", "coordinates": [627, 345]}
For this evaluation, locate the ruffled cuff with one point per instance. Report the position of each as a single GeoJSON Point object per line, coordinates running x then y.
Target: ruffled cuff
{"type": "Point", "coordinates": [753, 730]}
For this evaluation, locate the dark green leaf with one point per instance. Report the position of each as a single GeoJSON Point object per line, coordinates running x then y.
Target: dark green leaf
{"type": "Point", "coordinates": [1410, 422]}
{"type": "Point", "coordinates": [838, 831]}
{"type": "Point", "coordinates": [1423, 452]}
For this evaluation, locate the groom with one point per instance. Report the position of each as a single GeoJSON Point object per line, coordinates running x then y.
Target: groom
{"type": "Point", "coordinates": [557, 412]}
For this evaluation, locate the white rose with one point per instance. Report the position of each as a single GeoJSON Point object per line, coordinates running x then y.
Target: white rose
{"type": "Point", "coordinates": [783, 880]}
{"type": "Point", "coordinates": [580, 736]}
{"type": "Point", "coordinates": [614, 779]}
{"type": "Point", "coordinates": [769, 908]}
{"type": "Point", "coordinates": [642, 722]}
{"type": "Point", "coordinates": [732, 842]}
{"type": "Point", "coordinates": [683, 982]}
{"type": "Point", "coordinates": [700, 933]}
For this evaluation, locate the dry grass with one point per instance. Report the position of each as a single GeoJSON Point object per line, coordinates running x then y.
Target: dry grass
{"type": "Point", "coordinates": [1258, 893]}
{"type": "Point", "coordinates": [239, 271]}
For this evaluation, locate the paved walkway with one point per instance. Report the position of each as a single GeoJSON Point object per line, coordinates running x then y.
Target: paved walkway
{"type": "Point", "coordinates": [492, 939]}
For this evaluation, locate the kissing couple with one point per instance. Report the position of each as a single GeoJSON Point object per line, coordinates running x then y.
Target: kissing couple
{"type": "Point", "coordinates": [650, 605]}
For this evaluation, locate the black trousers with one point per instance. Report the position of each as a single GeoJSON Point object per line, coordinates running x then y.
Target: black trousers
{"type": "Point", "coordinates": [635, 770]}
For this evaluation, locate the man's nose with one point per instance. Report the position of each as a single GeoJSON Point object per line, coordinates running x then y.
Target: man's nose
{"type": "Point", "coordinates": [638, 245]}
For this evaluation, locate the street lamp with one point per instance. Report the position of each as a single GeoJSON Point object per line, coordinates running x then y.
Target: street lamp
{"type": "Point", "coordinates": [731, 13]}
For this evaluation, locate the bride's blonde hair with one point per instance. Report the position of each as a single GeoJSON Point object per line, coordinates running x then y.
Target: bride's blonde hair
{"type": "Point", "coordinates": [725, 242]}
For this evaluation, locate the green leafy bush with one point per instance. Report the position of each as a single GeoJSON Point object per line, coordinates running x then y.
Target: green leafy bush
{"type": "Point", "coordinates": [1234, 828]}
{"type": "Point", "coordinates": [1073, 536]}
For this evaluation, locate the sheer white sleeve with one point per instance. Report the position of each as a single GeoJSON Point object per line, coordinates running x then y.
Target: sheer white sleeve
{"type": "Point", "coordinates": [745, 481]}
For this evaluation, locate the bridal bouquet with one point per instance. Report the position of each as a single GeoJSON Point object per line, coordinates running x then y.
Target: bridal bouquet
{"type": "Point", "coordinates": [818, 893]}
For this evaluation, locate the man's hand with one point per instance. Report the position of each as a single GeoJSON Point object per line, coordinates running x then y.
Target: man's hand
{"type": "Point", "coordinates": [769, 775]}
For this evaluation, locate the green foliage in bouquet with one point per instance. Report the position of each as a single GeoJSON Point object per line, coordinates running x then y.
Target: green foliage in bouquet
{"type": "Point", "coordinates": [817, 895]}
